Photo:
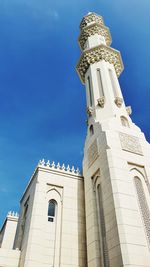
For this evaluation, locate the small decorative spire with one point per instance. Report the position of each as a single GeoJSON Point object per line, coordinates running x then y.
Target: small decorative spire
{"type": "Point", "coordinates": [58, 166]}
{"type": "Point", "coordinates": [63, 167]}
{"type": "Point", "coordinates": [12, 214]}
{"type": "Point", "coordinates": [68, 168]}
{"type": "Point", "coordinates": [73, 169]}
{"type": "Point", "coordinates": [48, 163]}
{"type": "Point", "coordinates": [77, 171]}
{"type": "Point", "coordinates": [43, 162]}
{"type": "Point", "coordinates": [53, 164]}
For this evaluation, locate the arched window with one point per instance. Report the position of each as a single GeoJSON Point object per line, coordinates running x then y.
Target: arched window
{"type": "Point", "coordinates": [143, 206]}
{"type": "Point", "coordinates": [52, 210]}
{"type": "Point", "coordinates": [91, 129]}
{"type": "Point", "coordinates": [124, 121]}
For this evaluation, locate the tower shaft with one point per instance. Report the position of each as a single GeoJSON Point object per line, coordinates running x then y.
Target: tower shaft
{"type": "Point", "coordinates": [116, 158]}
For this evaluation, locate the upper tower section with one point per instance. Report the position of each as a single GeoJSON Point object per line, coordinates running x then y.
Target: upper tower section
{"type": "Point", "coordinates": [99, 68]}
{"type": "Point", "coordinates": [95, 40]}
{"type": "Point", "coordinates": [90, 25]}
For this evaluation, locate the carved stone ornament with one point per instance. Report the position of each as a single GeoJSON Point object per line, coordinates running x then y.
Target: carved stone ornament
{"type": "Point", "coordinates": [92, 153]}
{"type": "Point", "coordinates": [89, 111]}
{"type": "Point", "coordinates": [89, 18]}
{"type": "Point", "coordinates": [95, 54]}
{"type": "Point", "coordinates": [130, 143]}
{"type": "Point", "coordinates": [93, 29]}
{"type": "Point", "coordinates": [101, 101]}
{"type": "Point", "coordinates": [129, 110]}
{"type": "Point", "coordinates": [118, 101]}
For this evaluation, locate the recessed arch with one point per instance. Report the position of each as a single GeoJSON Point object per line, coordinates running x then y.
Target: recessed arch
{"type": "Point", "coordinates": [136, 172]}
{"type": "Point", "coordinates": [54, 189]}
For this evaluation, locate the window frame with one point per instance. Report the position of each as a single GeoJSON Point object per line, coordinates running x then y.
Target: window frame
{"type": "Point", "coordinates": [51, 216]}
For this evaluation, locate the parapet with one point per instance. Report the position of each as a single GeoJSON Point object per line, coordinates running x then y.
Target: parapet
{"type": "Point", "coordinates": [62, 168]}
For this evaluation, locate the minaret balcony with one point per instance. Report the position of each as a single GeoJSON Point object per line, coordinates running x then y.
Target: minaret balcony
{"type": "Point", "coordinates": [93, 29]}
{"type": "Point", "coordinates": [96, 54]}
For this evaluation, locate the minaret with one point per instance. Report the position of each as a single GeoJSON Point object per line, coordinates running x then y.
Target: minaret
{"type": "Point", "coordinates": [116, 164]}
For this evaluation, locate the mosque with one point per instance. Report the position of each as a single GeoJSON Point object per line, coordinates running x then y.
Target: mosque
{"type": "Point", "coordinates": [100, 217]}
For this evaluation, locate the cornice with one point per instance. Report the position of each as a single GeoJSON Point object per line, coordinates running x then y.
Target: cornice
{"type": "Point", "coordinates": [89, 18]}
{"type": "Point", "coordinates": [93, 29]}
{"type": "Point", "coordinates": [96, 54]}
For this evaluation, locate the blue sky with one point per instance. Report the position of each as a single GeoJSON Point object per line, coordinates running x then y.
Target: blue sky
{"type": "Point", "coordinates": [42, 102]}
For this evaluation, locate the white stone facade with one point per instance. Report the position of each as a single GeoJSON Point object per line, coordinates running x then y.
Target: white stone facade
{"type": "Point", "coordinates": [100, 219]}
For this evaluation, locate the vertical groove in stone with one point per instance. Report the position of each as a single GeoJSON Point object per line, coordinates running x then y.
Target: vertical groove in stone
{"type": "Point", "coordinates": [100, 83]}
{"type": "Point", "coordinates": [90, 91]}
{"type": "Point", "coordinates": [103, 229]}
{"type": "Point", "coordinates": [113, 83]}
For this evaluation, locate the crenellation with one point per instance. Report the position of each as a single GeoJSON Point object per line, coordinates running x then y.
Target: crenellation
{"type": "Point", "coordinates": [13, 214]}
{"type": "Point", "coordinates": [63, 168]}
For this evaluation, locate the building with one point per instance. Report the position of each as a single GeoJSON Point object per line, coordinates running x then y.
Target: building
{"type": "Point", "coordinates": [100, 218]}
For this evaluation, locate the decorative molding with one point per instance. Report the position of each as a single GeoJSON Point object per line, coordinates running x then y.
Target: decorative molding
{"type": "Point", "coordinates": [92, 30]}
{"type": "Point", "coordinates": [130, 143]}
{"type": "Point", "coordinates": [101, 101]}
{"type": "Point", "coordinates": [118, 101]}
{"type": "Point", "coordinates": [92, 153]}
{"type": "Point", "coordinates": [94, 55]}
{"type": "Point", "coordinates": [89, 111]}
{"type": "Point", "coordinates": [129, 110]}
{"type": "Point", "coordinates": [89, 18]}
{"type": "Point", "coordinates": [57, 166]}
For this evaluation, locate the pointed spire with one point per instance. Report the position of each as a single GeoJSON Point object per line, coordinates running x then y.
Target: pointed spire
{"type": "Point", "coordinates": [77, 171]}
{"type": "Point", "coordinates": [68, 168]}
{"type": "Point", "coordinates": [73, 169]}
{"type": "Point", "coordinates": [43, 162]}
{"type": "Point", "coordinates": [58, 166]}
{"type": "Point", "coordinates": [48, 163]}
{"type": "Point", "coordinates": [53, 164]}
{"type": "Point", "coordinates": [63, 167]}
